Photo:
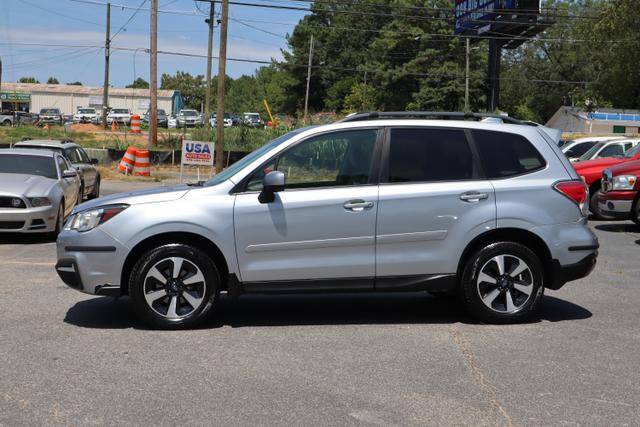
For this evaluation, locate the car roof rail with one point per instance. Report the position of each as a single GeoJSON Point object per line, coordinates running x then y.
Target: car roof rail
{"type": "Point", "coordinates": [429, 115]}
{"type": "Point", "coordinates": [26, 138]}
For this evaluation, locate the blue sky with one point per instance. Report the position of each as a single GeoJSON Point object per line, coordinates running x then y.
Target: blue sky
{"type": "Point", "coordinates": [71, 23]}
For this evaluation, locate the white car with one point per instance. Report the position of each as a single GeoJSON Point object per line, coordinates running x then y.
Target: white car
{"type": "Point", "coordinates": [616, 147]}
{"type": "Point", "coordinates": [119, 115]}
{"type": "Point", "coordinates": [576, 148]}
{"type": "Point", "coordinates": [228, 121]}
{"type": "Point", "coordinates": [172, 122]}
{"type": "Point", "coordinates": [85, 115]}
{"type": "Point", "coordinates": [189, 118]}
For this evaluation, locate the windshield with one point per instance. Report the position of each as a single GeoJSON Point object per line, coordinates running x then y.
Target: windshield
{"type": "Point", "coordinates": [161, 113]}
{"type": "Point", "coordinates": [120, 111]}
{"type": "Point", "coordinates": [29, 165]}
{"type": "Point", "coordinates": [49, 111]}
{"type": "Point", "coordinates": [86, 111]}
{"type": "Point", "coordinates": [189, 113]}
{"type": "Point", "coordinates": [592, 151]}
{"type": "Point", "coordinates": [631, 152]}
{"type": "Point", "coordinates": [237, 166]}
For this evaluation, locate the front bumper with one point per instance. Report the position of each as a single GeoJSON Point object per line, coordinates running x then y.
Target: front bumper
{"type": "Point", "coordinates": [616, 204]}
{"type": "Point", "coordinates": [28, 220]}
{"type": "Point", "coordinates": [90, 262]}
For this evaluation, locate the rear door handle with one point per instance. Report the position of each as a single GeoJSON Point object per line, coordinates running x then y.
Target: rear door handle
{"type": "Point", "coordinates": [357, 205]}
{"type": "Point", "coordinates": [473, 196]}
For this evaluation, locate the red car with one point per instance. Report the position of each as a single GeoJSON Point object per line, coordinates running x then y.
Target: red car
{"type": "Point", "coordinates": [619, 197]}
{"type": "Point", "coordinates": [591, 172]}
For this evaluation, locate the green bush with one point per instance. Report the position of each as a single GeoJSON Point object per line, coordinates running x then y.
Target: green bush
{"type": "Point", "coordinates": [240, 138]}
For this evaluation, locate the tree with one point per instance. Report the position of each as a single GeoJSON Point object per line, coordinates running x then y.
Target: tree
{"type": "Point", "coordinates": [139, 83]}
{"type": "Point", "coordinates": [27, 80]}
{"type": "Point", "coordinates": [52, 81]}
{"type": "Point", "coordinates": [191, 87]}
{"type": "Point", "coordinates": [75, 83]}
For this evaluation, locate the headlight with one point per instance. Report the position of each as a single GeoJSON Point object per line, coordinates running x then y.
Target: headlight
{"type": "Point", "coordinates": [90, 219]}
{"type": "Point", "coordinates": [624, 182]}
{"type": "Point", "coordinates": [37, 202]}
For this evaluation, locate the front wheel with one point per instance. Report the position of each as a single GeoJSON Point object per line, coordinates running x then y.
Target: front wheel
{"type": "Point", "coordinates": [96, 190]}
{"type": "Point", "coordinates": [174, 286]}
{"type": "Point", "coordinates": [59, 221]}
{"type": "Point", "coordinates": [502, 283]}
{"type": "Point", "coordinates": [635, 212]}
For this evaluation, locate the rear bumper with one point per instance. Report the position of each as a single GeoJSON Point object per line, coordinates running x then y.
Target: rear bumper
{"type": "Point", "coordinates": [561, 274]}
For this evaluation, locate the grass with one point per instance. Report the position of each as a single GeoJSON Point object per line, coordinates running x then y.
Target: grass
{"type": "Point", "coordinates": [111, 173]}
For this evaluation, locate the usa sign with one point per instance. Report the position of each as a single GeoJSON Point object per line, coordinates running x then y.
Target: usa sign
{"type": "Point", "coordinates": [197, 153]}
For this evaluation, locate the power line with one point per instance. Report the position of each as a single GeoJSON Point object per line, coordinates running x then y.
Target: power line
{"type": "Point", "coordinates": [128, 20]}
{"type": "Point", "coordinates": [55, 12]}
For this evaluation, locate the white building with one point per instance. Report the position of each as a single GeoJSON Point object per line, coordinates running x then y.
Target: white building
{"type": "Point", "coordinates": [32, 97]}
{"type": "Point", "coordinates": [603, 121]}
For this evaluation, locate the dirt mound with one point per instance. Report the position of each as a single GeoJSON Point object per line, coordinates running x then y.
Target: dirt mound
{"type": "Point", "coordinates": [85, 127]}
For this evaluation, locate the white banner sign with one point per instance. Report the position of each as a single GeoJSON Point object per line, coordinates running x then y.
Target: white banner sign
{"type": "Point", "coordinates": [197, 153]}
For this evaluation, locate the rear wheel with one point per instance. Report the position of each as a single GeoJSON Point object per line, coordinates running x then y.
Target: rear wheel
{"type": "Point", "coordinates": [96, 190]}
{"type": "Point", "coordinates": [502, 283]}
{"type": "Point", "coordinates": [593, 207]}
{"type": "Point", "coordinates": [635, 212]}
{"type": "Point", "coordinates": [174, 286]}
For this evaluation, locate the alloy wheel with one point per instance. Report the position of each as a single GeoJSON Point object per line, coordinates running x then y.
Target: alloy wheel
{"type": "Point", "coordinates": [505, 283]}
{"type": "Point", "coordinates": [174, 288]}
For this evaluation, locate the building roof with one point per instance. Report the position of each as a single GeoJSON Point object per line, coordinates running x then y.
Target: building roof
{"type": "Point", "coordinates": [608, 116]}
{"type": "Point", "coordinates": [80, 90]}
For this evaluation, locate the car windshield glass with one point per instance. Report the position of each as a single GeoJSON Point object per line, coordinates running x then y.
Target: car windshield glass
{"type": "Point", "coordinates": [189, 113]}
{"type": "Point", "coordinates": [86, 111]}
{"type": "Point", "coordinates": [161, 113]}
{"type": "Point", "coordinates": [632, 152]}
{"type": "Point", "coordinates": [29, 165]}
{"type": "Point", "coordinates": [120, 111]}
{"type": "Point", "coordinates": [592, 151]}
{"type": "Point", "coordinates": [237, 166]}
{"type": "Point", "coordinates": [49, 111]}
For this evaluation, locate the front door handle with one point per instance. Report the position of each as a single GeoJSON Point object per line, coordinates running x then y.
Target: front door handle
{"type": "Point", "coordinates": [357, 205]}
{"type": "Point", "coordinates": [473, 196]}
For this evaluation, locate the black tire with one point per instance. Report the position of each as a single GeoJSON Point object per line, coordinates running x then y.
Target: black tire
{"type": "Point", "coordinates": [141, 286]}
{"type": "Point", "coordinates": [80, 198]}
{"type": "Point", "coordinates": [482, 261]}
{"type": "Point", "coordinates": [96, 189]}
{"type": "Point", "coordinates": [593, 207]}
{"type": "Point", "coordinates": [59, 221]}
{"type": "Point", "coordinates": [635, 212]}
{"type": "Point", "coordinates": [6, 123]}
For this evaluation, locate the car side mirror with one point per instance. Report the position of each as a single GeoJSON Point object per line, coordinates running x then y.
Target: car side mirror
{"type": "Point", "coordinates": [94, 161]}
{"type": "Point", "coordinates": [272, 183]}
{"type": "Point", "coordinates": [69, 173]}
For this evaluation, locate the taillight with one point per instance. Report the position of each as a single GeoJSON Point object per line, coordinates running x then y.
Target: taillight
{"type": "Point", "coordinates": [576, 190]}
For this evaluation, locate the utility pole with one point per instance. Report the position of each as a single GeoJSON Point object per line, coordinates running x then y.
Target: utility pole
{"type": "Point", "coordinates": [153, 86]}
{"type": "Point", "coordinates": [105, 88]}
{"type": "Point", "coordinates": [222, 73]}
{"type": "Point", "coordinates": [306, 96]}
{"type": "Point", "coordinates": [207, 94]}
{"type": "Point", "coordinates": [466, 80]}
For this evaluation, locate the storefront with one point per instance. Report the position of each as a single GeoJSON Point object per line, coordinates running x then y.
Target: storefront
{"type": "Point", "coordinates": [15, 101]}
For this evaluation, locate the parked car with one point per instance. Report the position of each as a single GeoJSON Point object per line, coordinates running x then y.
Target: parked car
{"type": "Point", "coordinates": [51, 116]}
{"type": "Point", "coordinates": [38, 190]}
{"type": "Point", "coordinates": [9, 118]}
{"type": "Point", "coordinates": [86, 115]}
{"type": "Point", "coordinates": [228, 121]}
{"type": "Point", "coordinates": [189, 118]}
{"type": "Point", "coordinates": [576, 148]}
{"type": "Point", "coordinates": [591, 173]}
{"type": "Point", "coordinates": [604, 149]}
{"type": "Point", "coordinates": [162, 118]}
{"type": "Point", "coordinates": [172, 122]}
{"type": "Point", "coordinates": [120, 116]}
{"type": "Point", "coordinates": [492, 211]}
{"type": "Point", "coordinates": [86, 167]}
{"type": "Point", "coordinates": [619, 197]}
{"type": "Point", "coordinates": [253, 119]}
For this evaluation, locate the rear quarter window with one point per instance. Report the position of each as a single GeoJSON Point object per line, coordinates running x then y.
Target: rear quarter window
{"type": "Point", "coordinates": [505, 154]}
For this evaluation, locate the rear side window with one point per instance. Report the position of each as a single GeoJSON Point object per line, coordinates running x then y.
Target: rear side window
{"type": "Point", "coordinates": [506, 154]}
{"type": "Point", "coordinates": [427, 155]}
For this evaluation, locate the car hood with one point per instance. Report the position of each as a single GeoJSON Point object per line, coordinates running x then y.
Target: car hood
{"type": "Point", "coordinates": [597, 163]}
{"type": "Point", "coordinates": [154, 195]}
{"type": "Point", "coordinates": [632, 168]}
{"type": "Point", "coordinates": [26, 185]}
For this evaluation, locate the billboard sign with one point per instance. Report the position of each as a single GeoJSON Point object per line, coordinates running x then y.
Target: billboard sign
{"type": "Point", "coordinates": [474, 14]}
{"type": "Point", "coordinates": [197, 153]}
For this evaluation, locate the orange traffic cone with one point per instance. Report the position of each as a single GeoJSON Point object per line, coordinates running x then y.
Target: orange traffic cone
{"type": "Point", "coordinates": [141, 165]}
{"type": "Point", "coordinates": [46, 126]}
{"type": "Point", "coordinates": [114, 126]}
{"type": "Point", "coordinates": [128, 160]}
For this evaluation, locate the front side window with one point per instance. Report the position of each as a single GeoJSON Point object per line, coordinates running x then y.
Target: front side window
{"type": "Point", "coordinates": [506, 154]}
{"type": "Point", "coordinates": [579, 149]}
{"type": "Point", "coordinates": [62, 165]}
{"type": "Point", "coordinates": [328, 160]}
{"type": "Point", "coordinates": [612, 150]}
{"type": "Point", "coordinates": [429, 155]}
{"type": "Point", "coordinates": [72, 155]}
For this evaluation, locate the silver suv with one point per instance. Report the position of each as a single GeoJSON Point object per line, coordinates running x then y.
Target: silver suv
{"type": "Point", "coordinates": [376, 202]}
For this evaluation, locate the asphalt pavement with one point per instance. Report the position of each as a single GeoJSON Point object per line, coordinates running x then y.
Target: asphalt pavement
{"type": "Point", "coordinates": [368, 359]}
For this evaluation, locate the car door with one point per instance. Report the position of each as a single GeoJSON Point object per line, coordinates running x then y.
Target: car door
{"type": "Point", "coordinates": [432, 200]}
{"type": "Point", "coordinates": [320, 231]}
{"type": "Point", "coordinates": [87, 169]}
